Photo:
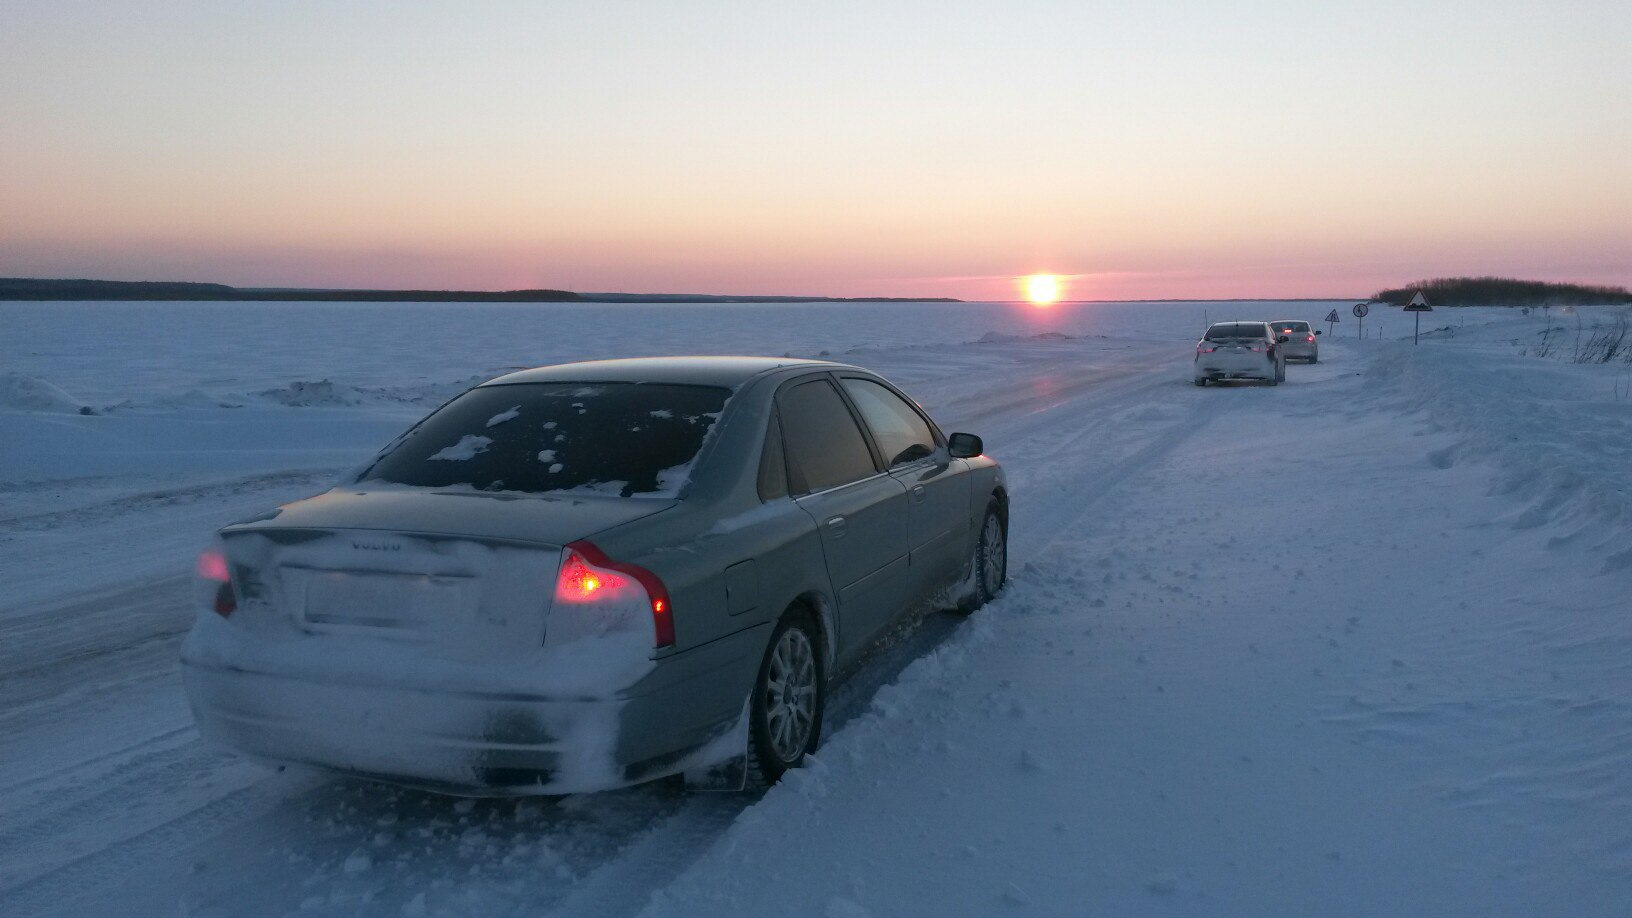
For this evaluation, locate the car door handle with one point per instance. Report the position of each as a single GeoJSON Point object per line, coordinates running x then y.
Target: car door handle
{"type": "Point", "coordinates": [835, 526]}
{"type": "Point", "coordinates": [917, 494]}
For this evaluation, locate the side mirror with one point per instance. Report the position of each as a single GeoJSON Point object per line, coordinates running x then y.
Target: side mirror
{"type": "Point", "coordinates": [1283, 339]}
{"type": "Point", "coordinates": [964, 446]}
{"type": "Point", "coordinates": [1317, 331]}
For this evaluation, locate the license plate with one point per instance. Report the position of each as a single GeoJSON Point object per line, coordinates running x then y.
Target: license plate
{"type": "Point", "coordinates": [378, 601]}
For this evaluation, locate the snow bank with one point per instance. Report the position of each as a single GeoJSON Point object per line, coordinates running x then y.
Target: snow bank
{"type": "Point", "coordinates": [322, 393]}
{"type": "Point", "coordinates": [996, 337]}
{"type": "Point", "coordinates": [19, 392]}
{"type": "Point", "coordinates": [1558, 434]}
{"type": "Point", "coordinates": [326, 393]}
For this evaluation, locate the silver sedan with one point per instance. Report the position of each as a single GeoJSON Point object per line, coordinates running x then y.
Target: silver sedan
{"type": "Point", "coordinates": [593, 575]}
{"type": "Point", "coordinates": [1299, 338]}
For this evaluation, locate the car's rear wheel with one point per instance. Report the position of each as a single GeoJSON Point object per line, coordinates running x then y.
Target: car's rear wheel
{"type": "Point", "coordinates": [990, 562]}
{"type": "Point", "coordinates": [1314, 358]}
{"type": "Point", "coordinates": [1201, 380]}
{"type": "Point", "coordinates": [785, 717]}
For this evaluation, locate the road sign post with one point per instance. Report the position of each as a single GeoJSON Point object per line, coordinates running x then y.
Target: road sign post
{"type": "Point", "coordinates": [1331, 320]}
{"type": "Point", "coordinates": [1418, 305]}
{"type": "Point", "coordinates": [1360, 310]}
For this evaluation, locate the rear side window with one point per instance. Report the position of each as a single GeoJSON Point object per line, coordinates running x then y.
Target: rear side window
{"type": "Point", "coordinates": [825, 446]}
{"type": "Point", "coordinates": [773, 464]}
{"type": "Point", "coordinates": [899, 430]}
{"type": "Point", "coordinates": [1249, 330]}
{"type": "Point", "coordinates": [624, 439]}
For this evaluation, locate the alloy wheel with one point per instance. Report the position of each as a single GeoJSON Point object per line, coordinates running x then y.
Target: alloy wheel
{"type": "Point", "coordinates": [790, 694]}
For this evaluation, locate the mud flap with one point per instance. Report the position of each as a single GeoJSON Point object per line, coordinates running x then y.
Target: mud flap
{"type": "Point", "coordinates": [731, 772]}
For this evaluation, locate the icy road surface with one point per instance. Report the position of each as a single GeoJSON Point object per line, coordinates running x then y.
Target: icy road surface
{"type": "Point", "coordinates": [1357, 644]}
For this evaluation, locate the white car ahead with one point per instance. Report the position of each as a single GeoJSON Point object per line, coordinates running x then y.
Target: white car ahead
{"type": "Point", "coordinates": [1301, 343]}
{"type": "Point", "coordinates": [1240, 350]}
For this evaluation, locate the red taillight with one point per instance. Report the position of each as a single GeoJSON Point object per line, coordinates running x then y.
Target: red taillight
{"type": "Point", "coordinates": [1260, 350]}
{"type": "Point", "coordinates": [580, 582]}
{"type": "Point", "coordinates": [1310, 338]}
{"type": "Point", "coordinates": [1204, 349]}
{"type": "Point", "coordinates": [589, 576]}
{"type": "Point", "coordinates": [217, 582]}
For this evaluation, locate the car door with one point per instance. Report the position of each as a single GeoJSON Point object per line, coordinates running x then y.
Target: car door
{"type": "Point", "coordinates": [937, 487]}
{"type": "Point", "coordinates": [861, 513]}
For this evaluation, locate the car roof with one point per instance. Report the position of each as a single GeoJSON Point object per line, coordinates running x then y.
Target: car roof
{"type": "Point", "coordinates": [1241, 322]}
{"type": "Point", "coordinates": [696, 371]}
{"type": "Point", "coordinates": [1289, 322]}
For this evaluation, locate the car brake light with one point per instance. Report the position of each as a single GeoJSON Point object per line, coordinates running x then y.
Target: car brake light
{"type": "Point", "coordinates": [1204, 349]}
{"type": "Point", "coordinates": [1310, 338]}
{"type": "Point", "coordinates": [1259, 350]}
{"type": "Point", "coordinates": [215, 581]}
{"type": "Point", "coordinates": [588, 577]}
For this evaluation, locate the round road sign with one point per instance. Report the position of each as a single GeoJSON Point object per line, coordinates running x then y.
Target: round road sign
{"type": "Point", "coordinates": [1360, 310]}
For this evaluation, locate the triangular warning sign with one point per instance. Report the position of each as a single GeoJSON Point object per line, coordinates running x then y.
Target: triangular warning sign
{"type": "Point", "coordinates": [1419, 303]}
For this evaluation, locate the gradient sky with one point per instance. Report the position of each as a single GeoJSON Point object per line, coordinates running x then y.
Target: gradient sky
{"type": "Point", "coordinates": [1149, 149]}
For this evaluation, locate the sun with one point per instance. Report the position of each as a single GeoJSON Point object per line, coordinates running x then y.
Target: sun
{"type": "Point", "coordinates": [1043, 289]}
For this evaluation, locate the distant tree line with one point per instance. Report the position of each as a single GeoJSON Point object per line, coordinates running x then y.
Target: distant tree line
{"type": "Point", "coordinates": [1503, 291]}
{"type": "Point", "coordinates": [30, 288]}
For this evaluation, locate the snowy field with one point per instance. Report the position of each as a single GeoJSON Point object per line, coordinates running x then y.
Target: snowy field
{"type": "Point", "coordinates": [1354, 645]}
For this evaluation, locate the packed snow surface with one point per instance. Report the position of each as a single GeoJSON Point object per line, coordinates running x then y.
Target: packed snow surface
{"type": "Point", "coordinates": [1353, 645]}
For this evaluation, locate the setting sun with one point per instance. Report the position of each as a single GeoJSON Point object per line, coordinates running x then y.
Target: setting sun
{"type": "Point", "coordinates": [1043, 289]}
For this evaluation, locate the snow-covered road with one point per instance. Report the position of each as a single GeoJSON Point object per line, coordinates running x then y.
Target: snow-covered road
{"type": "Point", "coordinates": [1324, 648]}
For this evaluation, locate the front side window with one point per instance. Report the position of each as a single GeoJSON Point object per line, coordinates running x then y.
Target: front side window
{"type": "Point", "coordinates": [823, 442]}
{"type": "Point", "coordinates": [622, 439]}
{"type": "Point", "coordinates": [900, 431]}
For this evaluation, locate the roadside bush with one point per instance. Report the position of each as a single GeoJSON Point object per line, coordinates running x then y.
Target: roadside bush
{"type": "Point", "coordinates": [1606, 342]}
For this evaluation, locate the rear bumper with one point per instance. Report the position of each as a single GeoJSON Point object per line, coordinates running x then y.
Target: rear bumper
{"type": "Point", "coordinates": [1263, 369]}
{"type": "Point", "coordinates": [1300, 351]}
{"type": "Point", "coordinates": [478, 743]}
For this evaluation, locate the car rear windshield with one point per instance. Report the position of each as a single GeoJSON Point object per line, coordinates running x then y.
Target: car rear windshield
{"type": "Point", "coordinates": [624, 439]}
{"type": "Point", "coordinates": [1288, 328]}
{"type": "Point", "coordinates": [1218, 332]}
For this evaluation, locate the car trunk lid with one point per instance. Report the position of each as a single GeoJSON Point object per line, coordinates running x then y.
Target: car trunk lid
{"type": "Point", "coordinates": [435, 575]}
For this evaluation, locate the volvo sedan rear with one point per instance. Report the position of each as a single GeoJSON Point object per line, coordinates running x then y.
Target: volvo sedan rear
{"type": "Point", "coordinates": [591, 575]}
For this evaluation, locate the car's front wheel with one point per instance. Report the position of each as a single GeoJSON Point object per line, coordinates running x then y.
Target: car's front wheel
{"type": "Point", "coordinates": [785, 716]}
{"type": "Point", "coordinates": [991, 561]}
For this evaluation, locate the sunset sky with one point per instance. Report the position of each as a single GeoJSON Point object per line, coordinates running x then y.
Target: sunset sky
{"type": "Point", "coordinates": [1147, 149]}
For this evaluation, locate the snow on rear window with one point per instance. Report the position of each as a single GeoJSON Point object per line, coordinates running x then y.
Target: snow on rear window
{"type": "Point", "coordinates": [623, 439]}
{"type": "Point", "coordinates": [468, 447]}
{"type": "Point", "coordinates": [510, 415]}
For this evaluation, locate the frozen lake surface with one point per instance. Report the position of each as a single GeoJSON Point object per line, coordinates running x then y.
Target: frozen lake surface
{"type": "Point", "coordinates": [1353, 645]}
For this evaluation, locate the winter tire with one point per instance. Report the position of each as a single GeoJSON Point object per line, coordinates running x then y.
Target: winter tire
{"type": "Point", "coordinates": [785, 716]}
{"type": "Point", "coordinates": [990, 561]}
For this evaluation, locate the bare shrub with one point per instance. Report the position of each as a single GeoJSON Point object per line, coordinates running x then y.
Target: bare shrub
{"type": "Point", "coordinates": [1607, 342]}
